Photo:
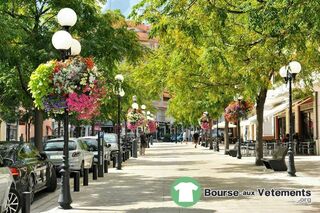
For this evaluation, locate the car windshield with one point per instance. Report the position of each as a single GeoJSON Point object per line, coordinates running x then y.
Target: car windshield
{"type": "Point", "coordinates": [7, 150]}
{"type": "Point", "coordinates": [58, 146]}
{"type": "Point", "coordinates": [91, 143]}
{"type": "Point", "coordinates": [110, 138]}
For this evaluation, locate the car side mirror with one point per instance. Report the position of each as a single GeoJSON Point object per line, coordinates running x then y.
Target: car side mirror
{"type": "Point", "coordinates": [43, 156]}
{"type": "Point", "coordinates": [109, 145]}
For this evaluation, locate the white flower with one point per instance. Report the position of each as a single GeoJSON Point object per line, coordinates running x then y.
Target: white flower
{"type": "Point", "coordinates": [91, 79]}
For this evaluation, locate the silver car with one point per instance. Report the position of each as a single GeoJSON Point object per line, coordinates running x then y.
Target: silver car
{"type": "Point", "coordinates": [92, 144]}
{"type": "Point", "coordinates": [112, 139]}
{"type": "Point", "coordinates": [9, 196]}
{"type": "Point", "coordinates": [79, 156]}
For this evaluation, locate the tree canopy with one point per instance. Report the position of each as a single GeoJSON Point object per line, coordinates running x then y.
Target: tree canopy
{"type": "Point", "coordinates": [209, 47]}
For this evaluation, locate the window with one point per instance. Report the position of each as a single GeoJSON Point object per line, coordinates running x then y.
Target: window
{"type": "Point", "coordinates": [28, 152]}
{"type": "Point", "coordinates": [58, 146]}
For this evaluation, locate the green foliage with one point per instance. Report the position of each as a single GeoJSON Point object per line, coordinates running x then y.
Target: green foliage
{"type": "Point", "coordinates": [208, 47]}
{"type": "Point", "coordinates": [39, 84]}
{"type": "Point", "coordinates": [26, 31]}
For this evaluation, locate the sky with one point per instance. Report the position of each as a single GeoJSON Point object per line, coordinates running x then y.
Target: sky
{"type": "Point", "coordinates": [125, 6]}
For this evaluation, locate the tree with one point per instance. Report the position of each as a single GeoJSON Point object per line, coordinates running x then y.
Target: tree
{"type": "Point", "coordinates": [216, 44]}
{"type": "Point", "coordinates": [26, 42]}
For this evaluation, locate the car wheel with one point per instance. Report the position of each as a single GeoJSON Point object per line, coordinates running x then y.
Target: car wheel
{"type": "Point", "coordinates": [13, 201]}
{"type": "Point", "coordinates": [31, 188]}
{"type": "Point", "coordinates": [52, 182]}
{"type": "Point", "coordinates": [82, 169]}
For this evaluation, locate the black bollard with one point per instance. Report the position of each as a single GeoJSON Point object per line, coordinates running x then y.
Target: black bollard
{"type": "Point", "coordinates": [106, 163]}
{"type": "Point", "coordinates": [26, 202]}
{"type": "Point", "coordinates": [123, 157]}
{"type": "Point", "coordinates": [85, 177]}
{"type": "Point", "coordinates": [76, 178]}
{"type": "Point", "coordinates": [94, 172]}
{"type": "Point", "coordinates": [135, 148]}
{"type": "Point", "coordinates": [100, 170]}
{"type": "Point", "coordinates": [114, 160]}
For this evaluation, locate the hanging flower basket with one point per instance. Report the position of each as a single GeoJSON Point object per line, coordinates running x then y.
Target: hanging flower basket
{"type": "Point", "coordinates": [235, 111]}
{"type": "Point", "coordinates": [135, 118]}
{"type": "Point", "coordinates": [204, 122]}
{"type": "Point", "coordinates": [74, 84]}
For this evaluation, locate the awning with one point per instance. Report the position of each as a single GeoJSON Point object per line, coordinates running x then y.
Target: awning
{"type": "Point", "coordinates": [267, 114]}
{"type": "Point", "coordinates": [286, 105]}
{"type": "Point", "coordinates": [221, 125]}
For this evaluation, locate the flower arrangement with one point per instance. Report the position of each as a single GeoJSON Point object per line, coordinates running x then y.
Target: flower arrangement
{"type": "Point", "coordinates": [235, 111]}
{"type": "Point", "coordinates": [74, 84]}
{"type": "Point", "coordinates": [135, 119]}
{"type": "Point", "coordinates": [204, 122]}
{"type": "Point", "coordinates": [152, 126]}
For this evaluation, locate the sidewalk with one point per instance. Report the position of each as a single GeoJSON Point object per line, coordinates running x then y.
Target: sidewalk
{"type": "Point", "coordinates": [144, 184]}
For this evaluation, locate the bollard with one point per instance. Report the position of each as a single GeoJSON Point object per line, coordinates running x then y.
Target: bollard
{"type": "Point", "coordinates": [123, 157]}
{"type": "Point", "coordinates": [128, 154]}
{"type": "Point", "coordinates": [135, 148]}
{"type": "Point", "coordinates": [94, 172]}
{"type": "Point", "coordinates": [85, 177]}
{"type": "Point", "coordinates": [106, 162]}
{"type": "Point", "coordinates": [76, 178]}
{"type": "Point", "coordinates": [26, 202]}
{"type": "Point", "coordinates": [100, 170]}
{"type": "Point", "coordinates": [114, 159]}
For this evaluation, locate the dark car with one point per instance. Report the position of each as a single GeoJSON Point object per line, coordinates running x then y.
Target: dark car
{"type": "Point", "coordinates": [31, 170]}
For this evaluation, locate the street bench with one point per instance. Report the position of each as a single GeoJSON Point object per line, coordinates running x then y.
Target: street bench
{"type": "Point", "coordinates": [277, 162]}
{"type": "Point", "coordinates": [233, 152]}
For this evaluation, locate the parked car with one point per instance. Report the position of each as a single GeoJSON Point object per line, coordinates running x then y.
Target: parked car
{"type": "Point", "coordinates": [112, 139]}
{"type": "Point", "coordinates": [9, 196]}
{"type": "Point", "coordinates": [79, 156]}
{"type": "Point", "coordinates": [31, 170]}
{"type": "Point", "coordinates": [179, 138]}
{"type": "Point", "coordinates": [92, 144]}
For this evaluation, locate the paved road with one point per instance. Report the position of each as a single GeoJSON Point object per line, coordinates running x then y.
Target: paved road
{"type": "Point", "coordinates": [144, 184]}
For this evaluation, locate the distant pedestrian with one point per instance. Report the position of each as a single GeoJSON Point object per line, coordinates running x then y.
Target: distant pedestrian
{"type": "Point", "coordinates": [21, 138]}
{"type": "Point", "coordinates": [184, 136]}
{"type": "Point", "coordinates": [195, 139]}
{"type": "Point", "coordinates": [143, 143]}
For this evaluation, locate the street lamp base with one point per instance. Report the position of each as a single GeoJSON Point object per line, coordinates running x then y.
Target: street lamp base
{"type": "Point", "coordinates": [292, 174]}
{"type": "Point", "coordinates": [65, 206]}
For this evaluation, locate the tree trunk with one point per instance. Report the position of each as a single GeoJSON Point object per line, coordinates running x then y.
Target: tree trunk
{"type": "Point", "coordinates": [29, 130]}
{"type": "Point", "coordinates": [8, 132]}
{"type": "Point", "coordinates": [226, 137]}
{"type": "Point", "coordinates": [59, 129]}
{"type": "Point", "coordinates": [78, 131]}
{"type": "Point", "coordinates": [38, 129]}
{"type": "Point", "coordinates": [210, 133]}
{"type": "Point", "coordinates": [92, 128]}
{"type": "Point", "coordinates": [261, 98]}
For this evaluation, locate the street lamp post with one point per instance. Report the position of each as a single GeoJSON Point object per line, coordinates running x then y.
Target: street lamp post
{"type": "Point", "coordinates": [217, 141]}
{"type": "Point", "coordinates": [238, 132]}
{"type": "Point", "coordinates": [120, 93]}
{"type": "Point", "coordinates": [289, 73]}
{"type": "Point", "coordinates": [64, 42]}
{"type": "Point", "coordinates": [143, 107]}
{"type": "Point", "coordinates": [135, 107]}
